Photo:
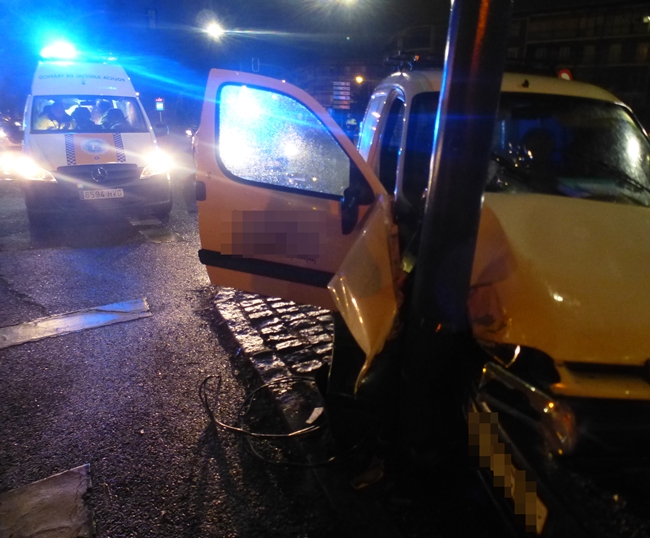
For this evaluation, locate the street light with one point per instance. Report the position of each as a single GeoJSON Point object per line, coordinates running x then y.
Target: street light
{"type": "Point", "coordinates": [215, 31]}
{"type": "Point", "coordinates": [358, 79]}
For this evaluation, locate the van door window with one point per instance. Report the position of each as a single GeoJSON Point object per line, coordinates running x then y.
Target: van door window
{"type": "Point", "coordinates": [370, 121]}
{"type": "Point", "coordinates": [391, 139]}
{"type": "Point", "coordinates": [272, 139]}
{"type": "Point", "coordinates": [419, 144]}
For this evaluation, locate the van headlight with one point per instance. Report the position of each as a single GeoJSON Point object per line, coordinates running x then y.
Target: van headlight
{"type": "Point", "coordinates": [552, 418]}
{"type": "Point", "coordinates": [7, 163]}
{"type": "Point", "coordinates": [158, 163]}
{"type": "Point", "coordinates": [26, 168]}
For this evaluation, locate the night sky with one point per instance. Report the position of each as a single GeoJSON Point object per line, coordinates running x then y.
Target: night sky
{"type": "Point", "coordinates": [163, 48]}
{"type": "Point", "coordinates": [161, 43]}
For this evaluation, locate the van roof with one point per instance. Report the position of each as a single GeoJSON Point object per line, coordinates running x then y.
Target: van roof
{"type": "Point", "coordinates": [428, 80]}
{"type": "Point", "coordinates": [81, 78]}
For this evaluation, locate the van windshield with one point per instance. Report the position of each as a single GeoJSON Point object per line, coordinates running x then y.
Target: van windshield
{"type": "Point", "coordinates": [569, 146]}
{"type": "Point", "coordinates": [552, 144]}
{"type": "Point", "coordinates": [87, 114]}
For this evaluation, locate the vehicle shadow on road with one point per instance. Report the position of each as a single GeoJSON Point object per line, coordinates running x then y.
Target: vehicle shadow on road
{"type": "Point", "coordinates": [79, 232]}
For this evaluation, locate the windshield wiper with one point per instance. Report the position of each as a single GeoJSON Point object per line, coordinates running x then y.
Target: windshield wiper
{"type": "Point", "coordinates": [619, 175]}
{"type": "Point", "coordinates": [623, 177]}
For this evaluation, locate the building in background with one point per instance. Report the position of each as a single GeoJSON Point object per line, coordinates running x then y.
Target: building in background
{"type": "Point", "coordinates": [605, 43]}
{"type": "Point", "coordinates": [608, 45]}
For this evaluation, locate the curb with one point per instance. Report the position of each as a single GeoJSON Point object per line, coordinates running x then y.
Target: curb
{"type": "Point", "coordinates": [281, 340]}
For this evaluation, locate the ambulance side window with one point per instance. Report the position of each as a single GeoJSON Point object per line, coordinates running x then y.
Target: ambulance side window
{"type": "Point", "coordinates": [419, 143]}
{"type": "Point", "coordinates": [270, 138]}
{"type": "Point", "coordinates": [391, 139]}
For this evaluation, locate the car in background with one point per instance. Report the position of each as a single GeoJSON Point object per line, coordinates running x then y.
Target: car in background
{"type": "Point", "coordinates": [10, 144]}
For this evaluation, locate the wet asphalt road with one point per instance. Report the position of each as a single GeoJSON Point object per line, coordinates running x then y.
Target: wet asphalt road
{"type": "Point", "coordinates": [124, 398]}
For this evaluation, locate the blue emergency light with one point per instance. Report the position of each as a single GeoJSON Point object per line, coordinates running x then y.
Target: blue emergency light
{"type": "Point", "coordinates": [61, 50]}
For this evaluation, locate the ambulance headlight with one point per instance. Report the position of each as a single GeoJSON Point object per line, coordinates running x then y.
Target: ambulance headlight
{"type": "Point", "coordinates": [7, 163]}
{"type": "Point", "coordinates": [28, 169]}
{"type": "Point", "coordinates": [158, 163]}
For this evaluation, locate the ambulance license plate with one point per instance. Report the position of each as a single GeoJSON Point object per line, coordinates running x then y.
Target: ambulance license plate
{"type": "Point", "coordinates": [101, 194]}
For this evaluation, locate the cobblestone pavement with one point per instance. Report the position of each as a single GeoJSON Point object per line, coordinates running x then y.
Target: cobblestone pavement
{"type": "Point", "coordinates": [282, 338]}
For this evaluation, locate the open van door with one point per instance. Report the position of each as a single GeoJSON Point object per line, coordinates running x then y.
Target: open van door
{"type": "Point", "coordinates": [283, 194]}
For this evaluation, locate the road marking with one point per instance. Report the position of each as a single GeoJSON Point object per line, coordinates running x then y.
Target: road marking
{"type": "Point", "coordinates": [151, 229]}
{"type": "Point", "coordinates": [52, 506]}
{"type": "Point", "coordinates": [144, 222]}
{"type": "Point", "coordinates": [80, 320]}
{"type": "Point", "coordinates": [156, 235]}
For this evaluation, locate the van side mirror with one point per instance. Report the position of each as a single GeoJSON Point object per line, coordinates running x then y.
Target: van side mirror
{"type": "Point", "coordinates": [358, 193]}
{"type": "Point", "coordinates": [160, 129]}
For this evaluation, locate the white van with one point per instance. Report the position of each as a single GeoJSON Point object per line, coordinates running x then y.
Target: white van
{"type": "Point", "coordinates": [559, 297]}
{"type": "Point", "coordinates": [89, 146]}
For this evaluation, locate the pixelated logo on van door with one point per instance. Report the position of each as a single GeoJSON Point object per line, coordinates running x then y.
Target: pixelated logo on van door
{"type": "Point", "coordinates": [290, 234]}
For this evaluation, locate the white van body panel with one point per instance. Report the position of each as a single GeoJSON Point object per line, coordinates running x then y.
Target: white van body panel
{"type": "Point", "coordinates": [51, 151]}
{"type": "Point", "coordinates": [82, 78]}
{"type": "Point", "coordinates": [67, 78]}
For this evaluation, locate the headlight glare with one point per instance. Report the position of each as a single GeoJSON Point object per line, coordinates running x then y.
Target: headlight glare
{"type": "Point", "coordinates": [26, 168]}
{"type": "Point", "coordinates": [157, 163]}
{"type": "Point", "coordinates": [7, 163]}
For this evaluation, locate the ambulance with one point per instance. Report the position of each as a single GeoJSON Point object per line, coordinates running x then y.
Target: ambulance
{"type": "Point", "coordinates": [88, 145]}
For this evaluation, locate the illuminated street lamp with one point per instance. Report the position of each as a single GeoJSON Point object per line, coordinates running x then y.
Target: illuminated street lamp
{"type": "Point", "coordinates": [215, 31]}
{"type": "Point", "coordinates": [358, 79]}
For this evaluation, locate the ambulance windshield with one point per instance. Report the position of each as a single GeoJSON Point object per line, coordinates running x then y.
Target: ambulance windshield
{"type": "Point", "coordinates": [87, 114]}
